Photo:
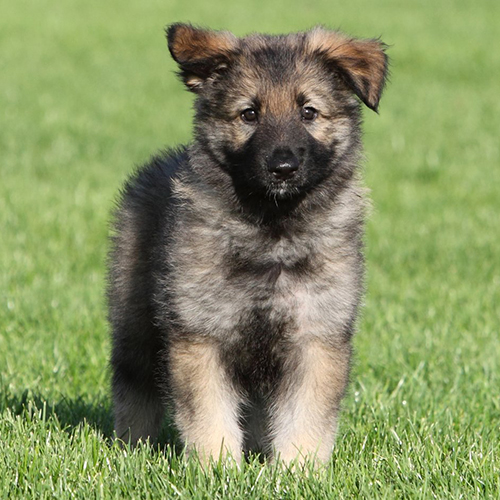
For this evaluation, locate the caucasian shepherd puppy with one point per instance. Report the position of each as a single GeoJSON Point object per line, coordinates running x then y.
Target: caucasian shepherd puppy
{"type": "Point", "coordinates": [237, 261]}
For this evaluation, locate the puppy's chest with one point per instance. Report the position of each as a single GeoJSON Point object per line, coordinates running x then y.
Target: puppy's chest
{"type": "Point", "coordinates": [231, 281]}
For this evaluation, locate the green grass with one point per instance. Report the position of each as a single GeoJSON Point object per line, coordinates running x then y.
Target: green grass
{"type": "Point", "coordinates": [87, 91]}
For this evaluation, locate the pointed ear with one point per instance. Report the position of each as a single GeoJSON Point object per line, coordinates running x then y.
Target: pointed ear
{"type": "Point", "coordinates": [361, 63]}
{"type": "Point", "coordinates": [199, 53]}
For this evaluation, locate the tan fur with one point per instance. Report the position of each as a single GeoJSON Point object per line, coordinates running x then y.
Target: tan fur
{"type": "Point", "coordinates": [191, 44]}
{"type": "Point", "coordinates": [210, 424]}
{"type": "Point", "coordinates": [195, 44]}
{"type": "Point", "coordinates": [279, 100]}
{"type": "Point", "coordinates": [363, 60]}
{"type": "Point", "coordinates": [303, 424]}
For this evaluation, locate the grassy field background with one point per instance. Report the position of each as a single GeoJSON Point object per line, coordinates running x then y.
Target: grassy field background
{"type": "Point", "coordinates": [87, 91]}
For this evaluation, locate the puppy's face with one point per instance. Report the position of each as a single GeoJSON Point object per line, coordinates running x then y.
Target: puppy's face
{"type": "Point", "coordinates": [278, 113]}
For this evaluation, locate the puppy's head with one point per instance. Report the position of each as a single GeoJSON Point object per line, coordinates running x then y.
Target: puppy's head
{"type": "Point", "coordinates": [279, 113]}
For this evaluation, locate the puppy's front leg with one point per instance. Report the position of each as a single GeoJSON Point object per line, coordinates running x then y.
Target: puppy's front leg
{"type": "Point", "coordinates": [304, 417]}
{"type": "Point", "coordinates": [206, 402]}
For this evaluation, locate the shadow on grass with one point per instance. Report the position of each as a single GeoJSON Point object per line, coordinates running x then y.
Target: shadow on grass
{"type": "Point", "coordinates": [71, 413]}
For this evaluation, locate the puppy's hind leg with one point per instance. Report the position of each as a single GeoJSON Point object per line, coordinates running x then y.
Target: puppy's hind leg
{"type": "Point", "coordinates": [138, 406]}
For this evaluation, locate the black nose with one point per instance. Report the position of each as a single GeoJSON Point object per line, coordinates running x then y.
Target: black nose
{"type": "Point", "coordinates": [283, 164]}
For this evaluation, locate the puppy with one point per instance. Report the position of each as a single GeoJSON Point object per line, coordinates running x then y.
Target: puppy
{"type": "Point", "coordinates": [236, 268]}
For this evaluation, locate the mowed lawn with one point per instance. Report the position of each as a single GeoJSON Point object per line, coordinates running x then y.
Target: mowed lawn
{"type": "Point", "coordinates": [87, 91]}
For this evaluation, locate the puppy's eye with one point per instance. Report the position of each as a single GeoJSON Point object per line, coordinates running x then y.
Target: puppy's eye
{"type": "Point", "coordinates": [308, 114]}
{"type": "Point", "coordinates": [249, 115]}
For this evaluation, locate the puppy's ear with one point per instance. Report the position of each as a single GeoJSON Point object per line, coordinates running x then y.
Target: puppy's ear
{"type": "Point", "coordinates": [361, 63]}
{"type": "Point", "coordinates": [199, 53]}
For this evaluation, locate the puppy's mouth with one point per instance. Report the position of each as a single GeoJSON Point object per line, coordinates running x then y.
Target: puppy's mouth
{"type": "Point", "coordinates": [282, 189]}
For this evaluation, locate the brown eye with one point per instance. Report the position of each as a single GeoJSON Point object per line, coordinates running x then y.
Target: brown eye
{"type": "Point", "coordinates": [249, 115]}
{"type": "Point", "coordinates": [308, 114]}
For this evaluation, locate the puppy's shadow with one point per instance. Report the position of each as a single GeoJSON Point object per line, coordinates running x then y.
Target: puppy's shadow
{"type": "Point", "coordinates": [72, 413]}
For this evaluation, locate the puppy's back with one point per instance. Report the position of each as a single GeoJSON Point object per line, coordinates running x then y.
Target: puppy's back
{"type": "Point", "coordinates": [143, 209]}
